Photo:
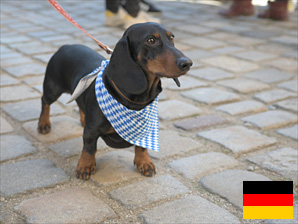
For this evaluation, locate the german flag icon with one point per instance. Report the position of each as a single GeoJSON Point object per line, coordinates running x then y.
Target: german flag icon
{"type": "Point", "coordinates": [267, 199]}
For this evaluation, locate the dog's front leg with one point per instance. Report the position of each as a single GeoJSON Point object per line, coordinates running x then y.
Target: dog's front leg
{"type": "Point", "coordinates": [87, 163]}
{"type": "Point", "coordinates": [143, 162]}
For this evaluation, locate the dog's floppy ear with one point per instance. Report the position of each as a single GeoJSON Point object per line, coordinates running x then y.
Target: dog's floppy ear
{"type": "Point", "coordinates": [124, 71]}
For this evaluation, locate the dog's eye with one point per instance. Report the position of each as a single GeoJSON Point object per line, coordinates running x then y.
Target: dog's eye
{"type": "Point", "coordinates": [151, 40]}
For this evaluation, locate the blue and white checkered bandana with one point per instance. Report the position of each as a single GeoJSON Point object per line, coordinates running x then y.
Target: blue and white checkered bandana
{"type": "Point", "coordinates": [136, 127]}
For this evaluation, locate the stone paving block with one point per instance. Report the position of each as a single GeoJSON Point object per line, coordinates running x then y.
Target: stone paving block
{"type": "Point", "coordinates": [291, 104]}
{"type": "Point", "coordinates": [14, 39]}
{"type": "Point", "coordinates": [68, 206]}
{"type": "Point", "coordinates": [63, 127]}
{"type": "Point", "coordinates": [186, 83]}
{"type": "Point", "coordinates": [290, 85]}
{"type": "Point", "coordinates": [5, 127]}
{"type": "Point", "coordinates": [28, 110]}
{"type": "Point", "coordinates": [229, 184]}
{"type": "Point", "coordinates": [285, 221]}
{"type": "Point", "coordinates": [284, 39]}
{"type": "Point", "coordinates": [202, 42]}
{"type": "Point", "coordinates": [200, 122]}
{"type": "Point", "coordinates": [26, 69]}
{"type": "Point", "coordinates": [283, 161]}
{"type": "Point", "coordinates": [244, 41]}
{"type": "Point", "coordinates": [28, 175]}
{"type": "Point", "coordinates": [148, 191]}
{"type": "Point", "coordinates": [271, 96]}
{"type": "Point", "coordinates": [195, 167]}
{"type": "Point", "coordinates": [16, 93]}
{"type": "Point", "coordinates": [6, 80]}
{"type": "Point", "coordinates": [238, 139]}
{"type": "Point", "coordinates": [34, 80]}
{"type": "Point", "coordinates": [171, 143]}
{"type": "Point", "coordinates": [247, 106]}
{"type": "Point", "coordinates": [115, 167]}
{"type": "Point", "coordinates": [210, 73]}
{"type": "Point", "coordinates": [198, 54]}
{"type": "Point", "coordinates": [192, 209]}
{"type": "Point", "coordinates": [271, 119]}
{"type": "Point", "coordinates": [73, 147]}
{"type": "Point", "coordinates": [291, 132]}
{"type": "Point", "coordinates": [227, 50]}
{"type": "Point", "coordinates": [174, 109]}
{"type": "Point", "coordinates": [194, 29]}
{"type": "Point", "coordinates": [268, 75]}
{"type": "Point", "coordinates": [244, 85]}
{"type": "Point", "coordinates": [287, 64]}
{"type": "Point", "coordinates": [13, 146]}
{"type": "Point", "coordinates": [8, 62]}
{"type": "Point", "coordinates": [35, 48]}
{"type": "Point", "coordinates": [254, 56]}
{"type": "Point", "coordinates": [231, 64]}
{"type": "Point", "coordinates": [210, 95]}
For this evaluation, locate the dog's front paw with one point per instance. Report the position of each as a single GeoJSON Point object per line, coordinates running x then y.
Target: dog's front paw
{"type": "Point", "coordinates": [86, 166]}
{"type": "Point", "coordinates": [144, 162]}
{"type": "Point", "coordinates": [44, 127]}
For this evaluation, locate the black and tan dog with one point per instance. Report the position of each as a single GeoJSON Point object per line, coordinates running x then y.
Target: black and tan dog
{"type": "Point", "coordinates": [142, 56]}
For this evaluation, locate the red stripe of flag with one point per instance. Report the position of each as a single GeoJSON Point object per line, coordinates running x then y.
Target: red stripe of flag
{"type": "Point", "coordinates": [267, 199]}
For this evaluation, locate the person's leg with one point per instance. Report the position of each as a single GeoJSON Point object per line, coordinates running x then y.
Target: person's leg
{"type": "Point", "coordinates": [114, 14]}
{"type": "Point", "coordinates": [239, 8]}
{"type": "Point", "coordinates": [112, 5]}
{"type": "Point", "coordinates": [132, 7]}
{"type": "Point", "coordinates": [277, 10]}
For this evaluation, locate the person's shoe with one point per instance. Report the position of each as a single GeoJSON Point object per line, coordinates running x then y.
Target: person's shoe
{"type": "Point", "coordinates": [141, 18]}
{"type": "Point", "coordinates": [115, 19]}
{"type": "Point", "coordinates": [149, 8]}
{"type": "Point", "coordinates": [276, 11]}
{"type": "Point", "coordinates": [239, 8]}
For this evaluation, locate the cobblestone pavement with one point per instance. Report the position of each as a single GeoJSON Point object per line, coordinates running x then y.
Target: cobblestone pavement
{"type": "Point", "coordinates": [233, 119]}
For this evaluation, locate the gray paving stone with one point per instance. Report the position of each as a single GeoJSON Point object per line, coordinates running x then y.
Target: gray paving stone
{"type": "Point", "coordinates": [28, 175]}
{"type": "Point", "coordinates": [16, 93]}
{"type": "Point", "coordinates": [229, 184]}
{"type": "Point", "coordinates": [6, 80]}
{"type": "Point", "coordinates": [290, 85]}
{"type": "Point", "coordinates": [72, 205]}
{"type": "Point", "coordinates": [63, 127]}
{"type": "Point", "coordinates": [195, 167]}
{"type": "Point", "coordinates": [244, 85]}
{"type": "Point", "coordinates": [247, 106]}
{"type": "Point", "coordinates": [202, 42]}
{"type": "Point", "coordinates": [287, 64]}
{"type": "Point", "coordinates": [73, 147]}
{"type": "Point", "coordinates": [285, 39]}
{"type": "Point", "coordinates": [194, 29]}
{"type": "Point", "coordinates": [200, 122]}
{"type": "Point", "coordinates": [34, 80]}
{"type": "Point", "coordinates": [115, 167]}
{"type": "Point", "coordinates": [227, 50]}
{"type": "Point", "coordinates": [255, 56]}
{"type": "Point", "coordinates": [271, 119]}
{"type": "Point", "coordinates": [174, 109]}
{"type": "Point", "coordinates": [198, 55]}
{"type": "Point", "coordinates": [210, 73]}
{"type": "Point", "coordinates": [148, 191]}
{"type": "Point", "coordinates": [26, 69]}
{"type": "Point", "coordinates": [231, 64]}
{"type": "Point", "coordinates": [192, 209]}
{"type": "Point", "coordinates": [28, 110]}
{"type": "Point", "coordinates": [244, 41]}
{"type": "Point", "coordinates": [185, 81]}
{"type": "Point", "coordinates": [8, 62]}
{"type": "Point", "coordinates": [283, 161]}
{"type": "Point", "coordinates": [210, 95]}
{"type": "Point", "coordinates": [291, 104]}
{"type": "Point", "coordinates": [291, 132]}
{"type": "Point", "coordinates": [271, 96]}
{"type": "Point", "coordinates": [13, 146]}
{"type": "Point", "coordinates": [5, 127]}
{"type": "Point", "coordinates": [35, 48]}
{"type": "Point", "coordinates": [238, 139]}
{"type": "Point", "coordinates": [171, 143]}
{"type": "Point", "coordinates": [268, 75]}
{"type": "Point", "coordinates": [285, 221]}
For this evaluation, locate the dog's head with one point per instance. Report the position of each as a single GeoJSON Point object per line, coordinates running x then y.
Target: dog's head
{"type": "Point", "coordinates": [145, 51]}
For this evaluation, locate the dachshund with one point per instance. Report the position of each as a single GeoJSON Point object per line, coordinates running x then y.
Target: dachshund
{"type": "Point", "coordinates": [143, 55]}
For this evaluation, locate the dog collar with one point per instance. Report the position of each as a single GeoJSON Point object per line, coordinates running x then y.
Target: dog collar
{"type": "Point", "coordinates": [140, 127]}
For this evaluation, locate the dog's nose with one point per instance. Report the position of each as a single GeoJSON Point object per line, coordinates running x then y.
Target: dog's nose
{"type": "Point", "coordinates": [184, 64]}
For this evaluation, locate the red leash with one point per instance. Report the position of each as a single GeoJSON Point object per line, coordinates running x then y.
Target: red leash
{"type": "Point", "coordinates": [56, 5]}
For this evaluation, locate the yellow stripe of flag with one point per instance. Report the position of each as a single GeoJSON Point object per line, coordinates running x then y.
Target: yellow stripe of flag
{"type": "Point", "coordinates": [267, 212]}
